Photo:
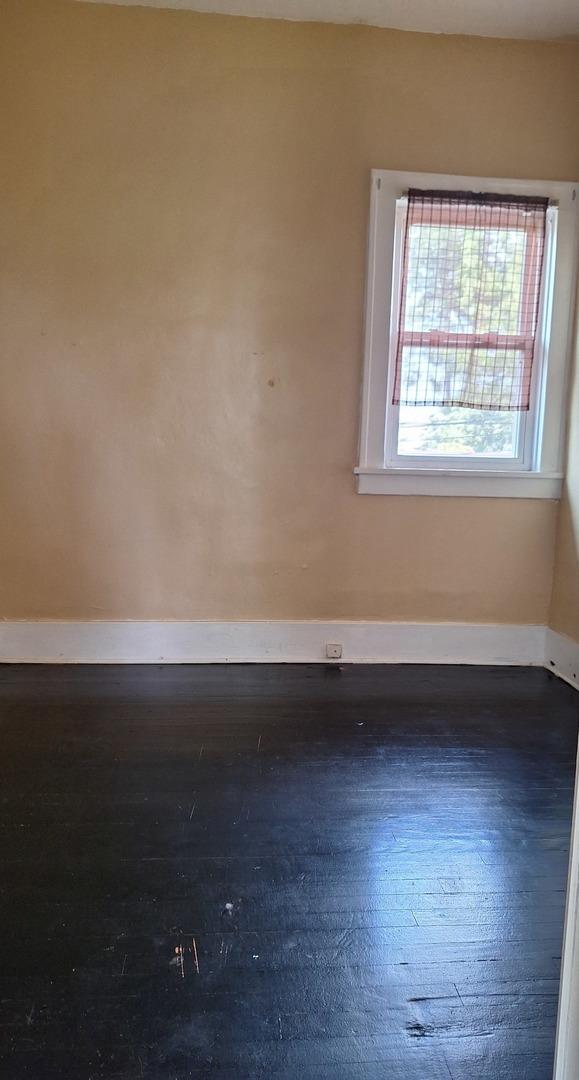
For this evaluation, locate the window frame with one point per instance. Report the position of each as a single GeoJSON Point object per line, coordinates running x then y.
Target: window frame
{"type": "Point", "coordinates": [537, 472]}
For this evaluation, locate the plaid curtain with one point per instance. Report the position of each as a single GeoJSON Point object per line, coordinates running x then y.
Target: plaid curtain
{"type": "Point", "coordinates": [469, 302]}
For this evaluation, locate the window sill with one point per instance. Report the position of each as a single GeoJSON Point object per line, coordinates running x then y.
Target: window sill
{"type": "Point", "coordinates": [459, 482]}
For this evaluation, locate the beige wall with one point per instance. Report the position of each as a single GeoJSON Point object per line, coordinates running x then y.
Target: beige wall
{"type": "Point", "coordinates": [184, 208]}
{"type": "Point", "coordinates": [564, 615]}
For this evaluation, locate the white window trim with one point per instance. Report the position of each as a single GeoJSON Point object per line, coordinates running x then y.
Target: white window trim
{"type": "Point", "coordinates": [542, 473]}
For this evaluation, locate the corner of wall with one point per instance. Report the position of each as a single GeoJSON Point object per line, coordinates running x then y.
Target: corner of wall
{"type": "Point", "coordinates": [564, 607]}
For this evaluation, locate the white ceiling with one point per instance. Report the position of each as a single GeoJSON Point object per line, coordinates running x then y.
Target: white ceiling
{"type": "Point", "coordinates": [490, 18]}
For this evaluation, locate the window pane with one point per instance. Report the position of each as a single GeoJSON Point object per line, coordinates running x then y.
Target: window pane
{"type": "Point", "coordinates": [455, 431]}
{"type": "Point", "coordinates": [464, 280]}
{"type": "Point", "coordinates": [479, 375]}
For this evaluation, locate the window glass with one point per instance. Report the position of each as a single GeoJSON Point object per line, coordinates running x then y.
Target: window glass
{"type": "Point", "coordinates": [454, 431]}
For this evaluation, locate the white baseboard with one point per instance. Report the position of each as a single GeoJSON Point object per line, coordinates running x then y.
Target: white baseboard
{"type": "Point", "coordinates": [269, 642]}
{"type": "Point", "coordinates": [562, 657]}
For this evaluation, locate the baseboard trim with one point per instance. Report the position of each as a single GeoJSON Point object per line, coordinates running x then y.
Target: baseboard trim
{"type": "Point", "coordinates": [562, 657]}
{"type": "Point", "coordinates": [273, 641]}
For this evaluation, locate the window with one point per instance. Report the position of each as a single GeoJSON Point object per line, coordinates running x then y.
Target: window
{"type": "Point", "coordinates": [469, 304]}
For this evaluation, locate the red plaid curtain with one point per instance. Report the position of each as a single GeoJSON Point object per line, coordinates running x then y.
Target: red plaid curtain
{"type": "Point", "coordinates": [471, 277]}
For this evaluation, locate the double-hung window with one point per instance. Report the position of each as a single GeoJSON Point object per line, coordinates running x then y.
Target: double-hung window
{"type": "Point", "coordinates": [469, 305]}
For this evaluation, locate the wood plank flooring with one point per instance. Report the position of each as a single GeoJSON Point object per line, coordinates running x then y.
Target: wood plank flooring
{"type": "Point", "coordinates": [282, 872]}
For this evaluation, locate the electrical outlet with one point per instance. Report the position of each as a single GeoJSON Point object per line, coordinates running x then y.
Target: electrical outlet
{"type": "Point", "coordinates": [334, 652]}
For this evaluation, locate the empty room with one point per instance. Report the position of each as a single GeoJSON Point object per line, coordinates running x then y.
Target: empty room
{"type": "Point", "coordinates": [289, 540]}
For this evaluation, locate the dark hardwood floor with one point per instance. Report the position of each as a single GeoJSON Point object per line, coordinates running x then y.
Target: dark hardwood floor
{"type": "Point", "coordinates": [282, 872]}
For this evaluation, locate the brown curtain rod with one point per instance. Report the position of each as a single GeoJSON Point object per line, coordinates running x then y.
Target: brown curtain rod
{"type": "Point", "coordinates": [480, 197]}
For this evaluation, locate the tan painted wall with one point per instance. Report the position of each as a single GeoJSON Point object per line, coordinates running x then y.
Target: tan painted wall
{"type": "Point", "coordinates": [564, 615]}
{"type": "Point", "coordinates": [185, 207]}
